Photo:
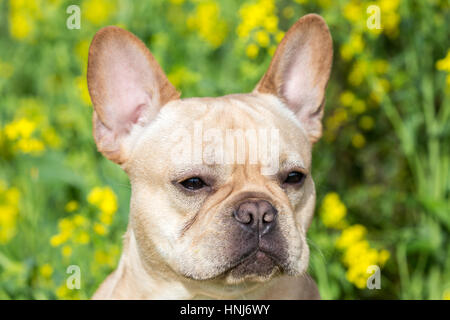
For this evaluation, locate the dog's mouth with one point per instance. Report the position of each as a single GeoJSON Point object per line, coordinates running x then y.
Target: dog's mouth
{"type": "Point", "coordinates": [258, 265]}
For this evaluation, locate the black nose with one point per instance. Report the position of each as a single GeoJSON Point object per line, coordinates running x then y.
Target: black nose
{"type": "Point", "coordinates": [257, 216]}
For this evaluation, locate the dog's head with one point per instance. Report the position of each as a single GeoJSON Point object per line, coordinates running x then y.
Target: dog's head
{"type": "Point", "coordinates": [221, 187]}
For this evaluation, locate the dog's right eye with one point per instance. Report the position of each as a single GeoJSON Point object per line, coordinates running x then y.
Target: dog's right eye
{"type": "Point", "coordinates": [193, 184]}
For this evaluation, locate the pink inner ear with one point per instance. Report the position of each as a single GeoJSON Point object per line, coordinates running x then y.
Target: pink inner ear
{"type": "Point", "coordinates": [126, 79]}
{"type": "Point", "coordinates": [299, 87]}
{"type": "Point", "coordinates": [134, 117]}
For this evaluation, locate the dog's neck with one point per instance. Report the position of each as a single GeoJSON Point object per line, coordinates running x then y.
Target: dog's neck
{"type": "Point", "coordinates": [134, 280]}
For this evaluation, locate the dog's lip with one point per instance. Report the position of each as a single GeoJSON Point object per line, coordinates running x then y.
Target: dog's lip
{"type": "Point", "coordinates": [282, 267]}
{"type": "Point", "coordinates": [255, 253]}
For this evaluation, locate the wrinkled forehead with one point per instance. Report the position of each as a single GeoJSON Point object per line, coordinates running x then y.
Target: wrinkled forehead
{"type": "Point", "coordinates": [261, 120]}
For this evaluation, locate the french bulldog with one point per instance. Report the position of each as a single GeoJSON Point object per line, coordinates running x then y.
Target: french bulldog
{"type": "Point", "coordinates": [211, 216]}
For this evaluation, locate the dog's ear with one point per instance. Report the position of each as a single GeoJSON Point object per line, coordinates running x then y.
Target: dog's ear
{"type": "Point", "coordinates": [127, 88]}
{"type": "Point", "coordinates": [299, 71]}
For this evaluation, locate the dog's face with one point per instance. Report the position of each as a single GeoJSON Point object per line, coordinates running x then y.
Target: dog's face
{"type": "Point", "coordinates": [221, 187]}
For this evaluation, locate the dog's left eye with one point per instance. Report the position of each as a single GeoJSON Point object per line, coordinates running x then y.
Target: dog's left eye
{"type": "Point", "coordinates": [294, 177]}
{"type": "Point", "coordinates": [193, 184]}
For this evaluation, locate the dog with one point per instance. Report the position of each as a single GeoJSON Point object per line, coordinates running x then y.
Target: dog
{"type": "Point", "coordinates": [201, 227]}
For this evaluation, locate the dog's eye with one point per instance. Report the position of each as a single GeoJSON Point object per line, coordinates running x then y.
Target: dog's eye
{"type": "Point", "coordinates": [194, 183]}
{"type": "Point", "coordinates": [294, 177]}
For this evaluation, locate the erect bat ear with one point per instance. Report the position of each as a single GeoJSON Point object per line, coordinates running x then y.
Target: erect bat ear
{"type": "Point", "coordinates": [127, 87]}
{"type": "Point", "coordinates": [299, 72]}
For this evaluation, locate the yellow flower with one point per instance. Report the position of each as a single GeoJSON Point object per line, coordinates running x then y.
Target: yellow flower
{"type": "Point", "coordinates": [272, 50]}
{"type": "Point", "coordinates": [346, 98]}
{"type": "Point", "coordinates": [353, 11]}
{"type": "Point", "coordinates": [389, 5]}
{"type": "Point", "coordinates": [82, 238]}
{"type": "Point", "coordinates": [12, 196]}
{"type": "Point", "coordinates": [279, 36]}
{"type": "Point", "coordinates": [358, 106]}
{"type": "Point", "coordinates": [339, 117]}
{"type": "Point", "coordinates": [288, 12]}
{"type": "Point", "coordinates": [9, 212]}
{"type": "Point", "coordinates": [79, 220]}
{"type": "Point", "coordinates": [262, 37]}
{"type": "Point", "coordinates": [104, 198]}
{"type": "Point", "coordinates": [82, 52]}
{"type": "Point", "coordinates": [325, 3]}
{"type": "Point", "coordinates": [57, 240]}
{"type": "Point", "coordinates": [183, 76]}
{"type": "Point", "coordinates": [379, 89]}
{"type": "Point", "coordinates": [380, 66]}
{"type": "Point", "coordinates": [252, 51]}
{"type": "Point", "coordinates": [71, 206]}
{"type": "Point", "coordinates": [271, 23]}
{"type": "Point", "coordinates": [383, 256]}
{"type": "Point", "coordinates": [21, 128]}
{"type": "Point", "coordinates": [33, 146]}
{"type": "Point", "coordinates": [66, 227]}
{"type": "Point", "coordinates": [444, 63]}
{"type": "Point", "coordinates": [109, 202]}
{"type": "Point", "coordinates": [366, 123]}
{"type": "Point", "coordinates": [20, 25]}
{"type": "Point", "coordinates": [107, 257]}
{"type": "Point", "coordinates": [391, 18]}
{"type": "Point", "coordinates": [359, 72]}
{"type": "Point", "coordinates": [97, 11]}
{"type": "Point", "coordinates": [358, 275]}
{"type": "Point", "coordinates": [351, 235]}
{"type": "Point", "coordinates": [8, 221]}
{"type": "Point", "coordinates": [105, 218]}
{"type": "Point", "coordinates": [66, 251]}
{"type": "Point", "coordinates": [333, 211]}
{"type": "Point", "coordinates": [100, 229]}
{"type": "Point", "coordinates": [358, 258]}
{"type": "Point", "coordinates": [46, 270]}
{"type": "Point", "coordinates": [260, 14]}
{"type": "Point", "coordinates": [358, 255]}
{"type": "Point", "coordinates": [64, 293]}
{"type": "Point", "coordinates": [353, 46]}
{"type": "Point", "coordinates": [206, 20]}
{"type": "Point", "coordinates": [95, 195]}
{"type": "Point", "coordinates": [20, 131]}
{"type": "Point", "coordinates": [358, 140]}
{"type": "Point", "coordinates": [81, 84]}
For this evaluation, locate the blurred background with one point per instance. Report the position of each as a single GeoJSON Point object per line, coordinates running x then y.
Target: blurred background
{"type": "Point", "coordinates": [382, 168]}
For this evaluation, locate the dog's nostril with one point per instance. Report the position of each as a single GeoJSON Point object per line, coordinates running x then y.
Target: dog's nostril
{"type": "Point", "coordinates": [243, 216]}
{"type": "Point", "coordinates": [257, 216]}
{"type": "Point", "coordinates": [268, 216]}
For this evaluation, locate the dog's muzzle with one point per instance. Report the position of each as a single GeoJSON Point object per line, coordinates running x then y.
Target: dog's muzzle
{"type": "Point", "coordinates": [260, 247]}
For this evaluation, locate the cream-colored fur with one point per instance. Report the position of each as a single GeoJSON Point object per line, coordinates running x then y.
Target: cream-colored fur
{"type": "Point", "coordinates": [182, 244]}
